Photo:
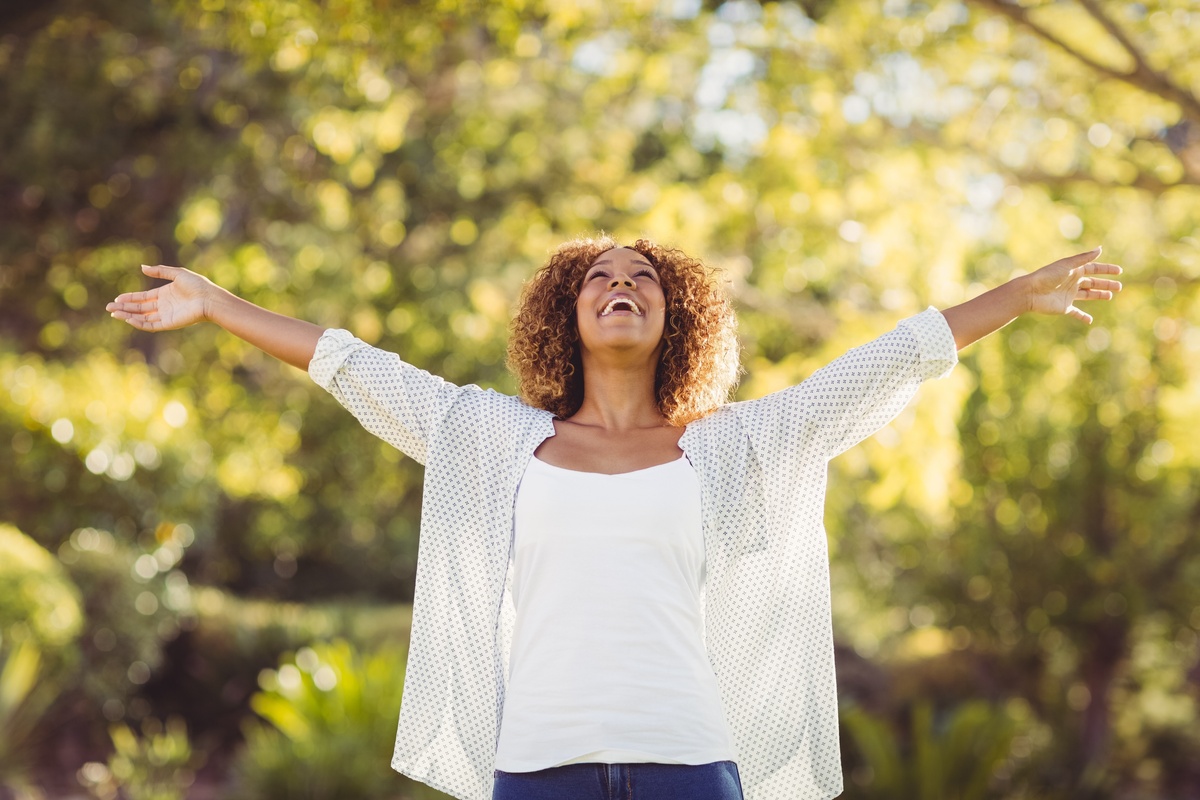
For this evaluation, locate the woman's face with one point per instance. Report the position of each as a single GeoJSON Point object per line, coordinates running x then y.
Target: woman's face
{"type": "Point", "coordinates": [621, 305]}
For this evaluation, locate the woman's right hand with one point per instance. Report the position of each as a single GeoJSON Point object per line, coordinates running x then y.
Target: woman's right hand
{"type": "Point", "coordinates": [182, 302]}
{"type": "Point", "coordinates": [190, 298]}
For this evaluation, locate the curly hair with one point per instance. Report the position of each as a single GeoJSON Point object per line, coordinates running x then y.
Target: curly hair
{"type": "Point", "coordinates": [698, 366]}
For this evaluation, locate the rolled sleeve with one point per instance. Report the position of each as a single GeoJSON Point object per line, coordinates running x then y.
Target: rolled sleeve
{"type": "Point", "coordinates": [333, 348]}
{"type": "Point", "coordinates": [399, 403]}
{"type": "Point", "coordinates": [935, 342]}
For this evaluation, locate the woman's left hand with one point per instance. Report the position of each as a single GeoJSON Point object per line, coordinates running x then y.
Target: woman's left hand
{"type": "Point", "coordinates": [1055, 288]}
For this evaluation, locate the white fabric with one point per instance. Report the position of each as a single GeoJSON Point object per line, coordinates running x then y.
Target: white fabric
{"type": "Point", "coordinates": [762, 468]}
{"type": "Point", "coordinates": [608, 662]}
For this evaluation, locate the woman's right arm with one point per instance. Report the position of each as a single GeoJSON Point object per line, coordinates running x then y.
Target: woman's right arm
{"type": "Point", "coordinates": [394, 400]}
{"type": "Point", "coordinates": [190, 298]}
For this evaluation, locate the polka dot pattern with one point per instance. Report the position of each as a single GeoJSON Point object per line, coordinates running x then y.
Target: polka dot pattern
{"type": "Point", "coordinates": [762, 466]}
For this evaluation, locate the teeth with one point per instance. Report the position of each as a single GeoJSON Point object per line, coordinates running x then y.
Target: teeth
{"type": "Point", "coordinates": [608, 309]}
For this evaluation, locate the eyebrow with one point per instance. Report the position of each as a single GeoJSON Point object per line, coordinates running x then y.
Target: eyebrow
{"type": "Point", "coordinates": [609, 261]}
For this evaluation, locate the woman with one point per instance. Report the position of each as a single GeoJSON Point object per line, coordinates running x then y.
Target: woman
{"type": "Point", "coordinates": [622, 587]}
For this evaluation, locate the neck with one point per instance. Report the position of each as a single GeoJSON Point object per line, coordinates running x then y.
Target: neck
{"type": "Point", "coordinates": [618, 396]}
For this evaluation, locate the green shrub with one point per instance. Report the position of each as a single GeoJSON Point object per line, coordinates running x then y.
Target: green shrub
{"type": "Point", "coordinates": [130, 609]}
{"type": "Point", "coordinates": [232, 639]}
{"type": "Point", "coordinates": [39, 622]}
{"type": "Point", "coordinates": [257, 629]}
{"type": "Point", "coordinates": [332, 715]}
{"type": "Point", "coordinates": [23, 698]}
{"type": "Point", "coordinates": [38, 601]}
{"type": "Point", "coordinates": [955, 755]}
{"type": "Point", "coordinates": [159, 765]}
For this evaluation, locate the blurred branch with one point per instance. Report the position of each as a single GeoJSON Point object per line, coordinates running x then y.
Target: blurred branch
{"type": "Point", "coordinates": [1143, 76]}
{"type": "Point", "coordinates": [1143, 180]}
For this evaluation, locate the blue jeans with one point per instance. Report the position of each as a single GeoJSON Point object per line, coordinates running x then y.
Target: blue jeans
{"type": "Point", "coordinates": [716, 781]}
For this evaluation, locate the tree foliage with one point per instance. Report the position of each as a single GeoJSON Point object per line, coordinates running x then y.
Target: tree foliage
{"type": "Point", "coordinates": [399, 169]}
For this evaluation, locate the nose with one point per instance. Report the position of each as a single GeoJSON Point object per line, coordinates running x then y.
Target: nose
{"type": "Point", "coordinates": [624, 280]}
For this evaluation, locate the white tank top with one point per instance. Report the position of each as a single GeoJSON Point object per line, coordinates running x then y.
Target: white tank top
{"type": "Point", "coordinates": [608, 662]}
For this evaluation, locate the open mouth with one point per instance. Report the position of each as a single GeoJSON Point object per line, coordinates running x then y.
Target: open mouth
{"type": "Point", "coordinates": [621, 304]}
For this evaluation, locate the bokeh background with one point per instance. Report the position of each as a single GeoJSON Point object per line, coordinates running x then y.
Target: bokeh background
{"type": "Point", "coordinates": [205, 562]}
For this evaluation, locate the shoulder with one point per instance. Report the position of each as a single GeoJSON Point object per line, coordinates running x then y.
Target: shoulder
{"type": "Point", "coordinates": [491, 409]}
{"type": "Point", "coordinates": [721, 418]}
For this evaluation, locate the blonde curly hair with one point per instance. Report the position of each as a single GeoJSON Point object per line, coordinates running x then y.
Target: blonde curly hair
{"type": "Point", "coordinates": [697, 369]}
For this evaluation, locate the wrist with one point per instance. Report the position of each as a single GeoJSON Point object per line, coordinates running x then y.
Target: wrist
{"type": "Point", "coordinates": [215, 302]}
{"type": "Point", "coordinates": [1022, 290]}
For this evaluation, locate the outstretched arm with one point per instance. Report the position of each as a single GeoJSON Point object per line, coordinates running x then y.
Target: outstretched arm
{"type": "Point", "coordinates": [1053, 289]}
{"type": "Point", "coordinates": [190, 298]}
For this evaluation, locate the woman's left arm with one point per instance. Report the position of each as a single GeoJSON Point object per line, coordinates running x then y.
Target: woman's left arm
{"type": "Point", "coordinates": [1053, 289]}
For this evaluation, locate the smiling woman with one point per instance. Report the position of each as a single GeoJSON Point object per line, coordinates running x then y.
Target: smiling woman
{"type": "Point", "coordinates": [698, 366]}
{"type": "Point", "coordinates": [622, 588]}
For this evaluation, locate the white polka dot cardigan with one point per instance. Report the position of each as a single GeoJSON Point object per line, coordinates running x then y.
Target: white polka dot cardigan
{"type": "Point", "coordinates": [762, 466]}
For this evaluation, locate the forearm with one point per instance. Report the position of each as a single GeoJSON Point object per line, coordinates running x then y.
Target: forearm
{"type": "Point", "coordinates": [291, 340]}
{"type": "Point", "coordinates": [989, 312]}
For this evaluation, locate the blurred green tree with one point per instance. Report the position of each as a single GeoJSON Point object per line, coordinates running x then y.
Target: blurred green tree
{"type": "Point", "coordinates": [399, 168]}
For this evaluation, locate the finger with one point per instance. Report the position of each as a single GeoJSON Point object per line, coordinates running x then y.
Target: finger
{"type": "Point", "coordinates": [1082, 316]}
{"type": "Point", "coordinates": [162, 271]}
{"type": "Point", "coordinates": [135, 306]}
{"type": "Point", "coordinates": [1103, 284]}
{"type": "Point", "coordinates": [1100, 268]}
{"type": "Point", "coordinates": [128, 316]}
{"type": "Point", "coordinates": [1093, 294]}
{"type": "Point", "coordinates": [136, 318]}
{"type": "Point", "coordinates": [1079, 259]}
{"type": "Point", "coordinates": [136, 297]}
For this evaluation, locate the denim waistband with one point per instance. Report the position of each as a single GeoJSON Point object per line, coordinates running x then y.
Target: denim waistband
{"type": "Point", "coordinates": [716, 781]}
